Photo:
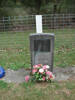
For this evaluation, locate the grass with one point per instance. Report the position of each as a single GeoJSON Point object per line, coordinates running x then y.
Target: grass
{"type": "Point", "coordinates": [3, 85]}
{"type": "Point", "coordinates": [14, 50]}
{"type": "Point", "coordinates": [65, 50]}
{"type": "Point", "coordinates": [42, 91]}
{"type": "Point", "coordinates": [15, 54]}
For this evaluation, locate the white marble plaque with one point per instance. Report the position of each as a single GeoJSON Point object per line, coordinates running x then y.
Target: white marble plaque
{"type": "Point", "coordinates": [38, 23]}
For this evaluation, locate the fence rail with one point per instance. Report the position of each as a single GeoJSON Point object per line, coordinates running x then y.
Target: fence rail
{"type": "Point", "coordinates": [23, 23]}
{"type": "Point", "coordinates": [14, 45]}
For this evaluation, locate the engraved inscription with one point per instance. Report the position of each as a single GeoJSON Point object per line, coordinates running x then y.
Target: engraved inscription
{"type": "Point", "coordinates": [43, 58]}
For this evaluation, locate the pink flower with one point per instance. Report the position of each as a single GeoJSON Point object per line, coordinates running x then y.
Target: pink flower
{"type": "Point", "coordinates": [44, 67]}
{"type": "Point", "coordinates": [52, 77]}
{"type": "Point", "coordinates": [27, 78]}
{"type": "Point", "coordinates": [49, 73]}
{"type": "Point", "coordinates": [34, 70]}
{"type": "Point", "coordinates": [37, 66]}
{"type": "Point", "coordinates": [44, 78]}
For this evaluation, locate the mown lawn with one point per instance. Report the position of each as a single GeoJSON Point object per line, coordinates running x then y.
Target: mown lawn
{"type": "Point", "coordinates": [15, 54]}
{"type": "Point", "coordinates": [38, 91]}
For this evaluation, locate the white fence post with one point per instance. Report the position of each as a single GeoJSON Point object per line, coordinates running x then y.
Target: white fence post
{"type": "Point", "coordinates": [38, 23]}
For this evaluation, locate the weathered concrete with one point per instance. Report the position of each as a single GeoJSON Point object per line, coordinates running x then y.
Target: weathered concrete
{"type": "Point", "coordinates": [16, 76]}
{"type": "Point", "coordinates": [64, 73]}
{"type": "Point", "coordinates": [19, 75]}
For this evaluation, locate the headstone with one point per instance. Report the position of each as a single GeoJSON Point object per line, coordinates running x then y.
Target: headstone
{"type": "Point", "coordinates": [41, 46]}
{"type": "Point", "coordinates": [42, 49]}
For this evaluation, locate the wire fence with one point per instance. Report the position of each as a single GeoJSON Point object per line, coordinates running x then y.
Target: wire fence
{"type": "Point", "coordinates": [24, 23]}
{"type": "Point", "coordinates": [59, 21]}
{"type": "Point", "coordinates": [17, 23]}
{"type": "Point", "coordinates": [14, 39]}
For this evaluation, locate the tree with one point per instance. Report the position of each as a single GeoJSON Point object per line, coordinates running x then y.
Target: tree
{"type": "Point", "coordinates": [39, 6]}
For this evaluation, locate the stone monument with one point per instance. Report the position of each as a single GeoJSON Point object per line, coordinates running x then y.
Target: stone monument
{"type": "Point", "coordinates": [41, 46]}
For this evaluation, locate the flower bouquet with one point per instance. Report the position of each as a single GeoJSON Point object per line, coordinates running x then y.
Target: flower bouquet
{"type": "Point", "coordinates": [41, 73]}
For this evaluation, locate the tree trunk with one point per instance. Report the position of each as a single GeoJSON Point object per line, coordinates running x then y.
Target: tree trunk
{"type": "Point", "coordinates": [55, 8]}
{"type": "Point", "coordinates": [38, 6]}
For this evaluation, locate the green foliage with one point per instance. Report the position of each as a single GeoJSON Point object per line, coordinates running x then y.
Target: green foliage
{"type": "Point", "coordinates": [8, 3]}
{"type": "Point", "coordinates": [3, 84]}
{"type": "Point", "coordinates": [22, 7]}
{"type": "Point", "coordinates": [70, 86]}
{"type": "Point", "coordinates": [27, 85]}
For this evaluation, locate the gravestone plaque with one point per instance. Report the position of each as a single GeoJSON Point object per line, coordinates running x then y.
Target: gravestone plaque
{"type": "Point", "coordinates": [42, 49]}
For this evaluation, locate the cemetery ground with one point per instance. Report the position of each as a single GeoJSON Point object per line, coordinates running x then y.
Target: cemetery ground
{"type": "Point", "coordinates": [15, 54]}
{"type": "Point", "coordinates": [38, 91]}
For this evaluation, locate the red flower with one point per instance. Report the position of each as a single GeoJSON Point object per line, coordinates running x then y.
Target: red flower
{"type": "Point", "coordinates": [44, 78]}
